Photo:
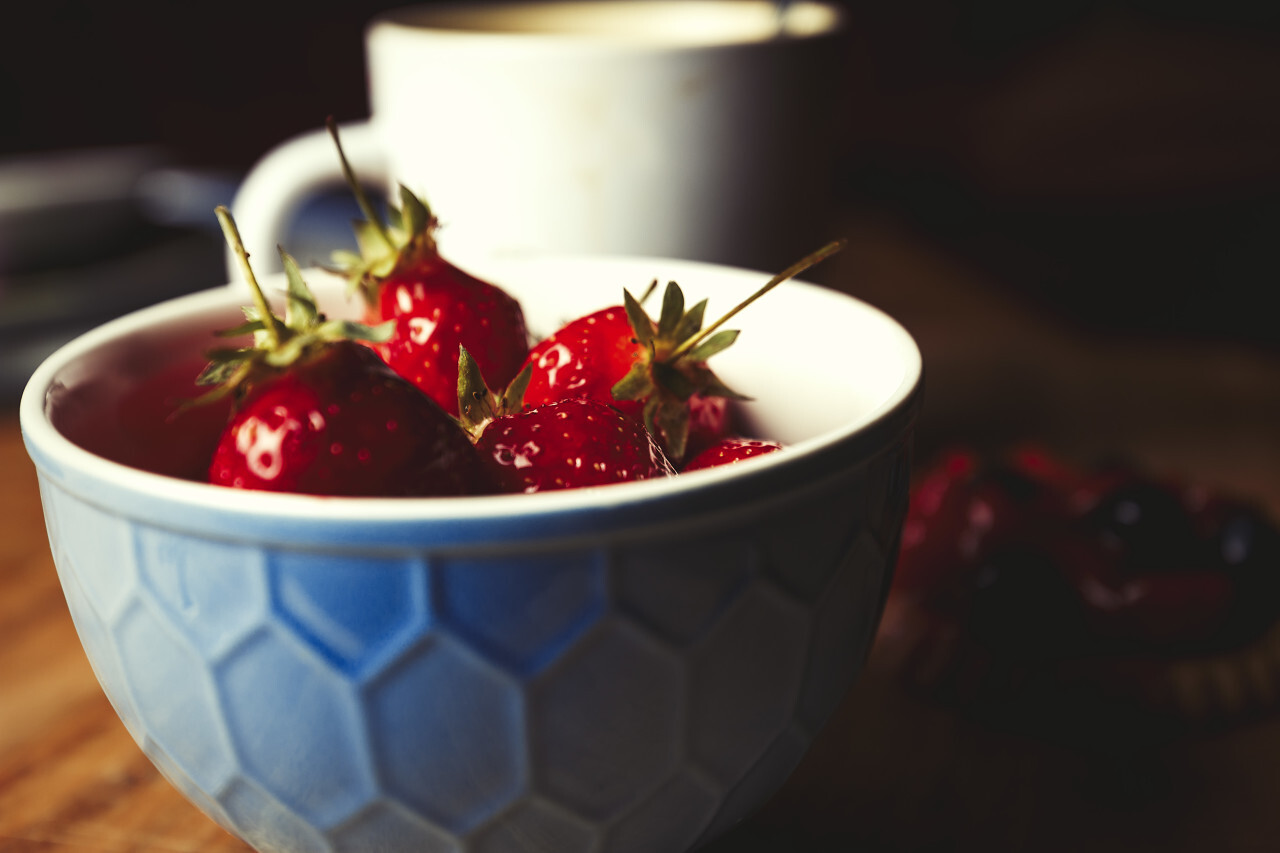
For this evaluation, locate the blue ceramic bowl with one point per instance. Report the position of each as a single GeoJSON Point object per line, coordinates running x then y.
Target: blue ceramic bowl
{"type": "Point", "coordinates": [631, 668]}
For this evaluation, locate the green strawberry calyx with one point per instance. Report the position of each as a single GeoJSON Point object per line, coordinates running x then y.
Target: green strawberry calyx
{"type": "Point", "coordinates": [673, 366]}
{"type": "Point", "coordinates": [277, 342]}
{"type": "Point", "coordinates": [478, 405]}
{"type": "Point", "coordinates": [404, 238]}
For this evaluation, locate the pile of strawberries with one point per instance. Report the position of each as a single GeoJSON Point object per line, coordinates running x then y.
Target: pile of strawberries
{"type": "Point", "coordinates": [438, 392]}
{"type": "Point", "coordinates": [1045, 559]}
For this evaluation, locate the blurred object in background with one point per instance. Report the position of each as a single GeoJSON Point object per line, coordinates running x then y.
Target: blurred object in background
{"type": "Point", "coordinates": [87, 235]}
{"type": "Point", "coordinates": [1116, 163]}
{"type": "Point", "coordinates": [123, 125]}
{"type": "Point", "coordinates": [215, 85]}
{"type": "Point", "coordinates": [81, 243]}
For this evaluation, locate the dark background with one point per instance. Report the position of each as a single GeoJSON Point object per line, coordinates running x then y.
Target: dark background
{"type": "Point", "coordinates": [1118, 162]}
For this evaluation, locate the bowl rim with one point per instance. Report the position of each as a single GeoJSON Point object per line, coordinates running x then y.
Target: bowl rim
{"type": "Point", "coordinates": [172, 501]}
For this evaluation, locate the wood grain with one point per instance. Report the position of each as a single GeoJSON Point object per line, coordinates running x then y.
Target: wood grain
{"type": "Point", "coordinates": [71, 777]}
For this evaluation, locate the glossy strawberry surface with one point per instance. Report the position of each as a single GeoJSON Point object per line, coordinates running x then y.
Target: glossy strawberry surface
{"type": "Point", "coordinates": [585, 358]}
{"type": "Point", "coordinates": [729, 450]}
{"type": "Point", "coordinates": [341, 422]}
{"type": "Point", "coordinates": [589, 356]}
{"type": "Point", "coordinates": [436, 308]}
{"type": "Point", "coordinates": [568, 444]}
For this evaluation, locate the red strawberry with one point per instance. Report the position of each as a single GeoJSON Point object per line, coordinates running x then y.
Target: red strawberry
{"type": "Point", "coordinates": [650, 370]}
{"type": "Point", "coordinates": [1148, 609]}
{"type": "Point", "coordinates": [1118, 550]}
{"type": "Point", "coordinates": [569, 444]}
{"type": "Point", "coordinates": [939, 544]}
{"type": "Point", "coordinates": [318, 413]}
{"type": "Point", "coordinates": [730, 450]}
{"type": "Point", "coordinates": [564, 444]}
{"type": "Point", "coordinates": [586, 358]}
{"type": "Point", "coordinates": [435, 306]}
{"type": "Point", "coordinates": [614, 356]}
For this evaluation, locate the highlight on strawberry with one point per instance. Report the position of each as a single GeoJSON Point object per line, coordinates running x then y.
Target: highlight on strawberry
{"type": "Point", "coordinates": [434, 306]}
{"type": "Point", "coordinates": [653, 371]}
{"type": "Point", "coordinates": [316, 411]}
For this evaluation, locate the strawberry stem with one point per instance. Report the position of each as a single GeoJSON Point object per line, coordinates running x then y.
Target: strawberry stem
{"type": "Point", "coordinates": [790, 272]}
{"type": "Point", "coordinates": [270, 323]}
{"type": "Point", "coordinates": [362, 198]}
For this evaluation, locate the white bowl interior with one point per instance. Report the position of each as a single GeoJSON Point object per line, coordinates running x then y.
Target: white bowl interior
{"type": "Point", "coordinates": [820, 366]}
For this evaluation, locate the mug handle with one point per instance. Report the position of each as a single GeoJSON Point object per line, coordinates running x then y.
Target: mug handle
{"type": "Point", "coordinates": [275, 188]}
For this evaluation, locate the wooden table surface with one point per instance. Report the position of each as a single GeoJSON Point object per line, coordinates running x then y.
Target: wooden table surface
{"type": "Point", "coordinates": [72, 779]}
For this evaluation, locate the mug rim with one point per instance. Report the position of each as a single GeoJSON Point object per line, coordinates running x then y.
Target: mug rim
{"type": "Point", "coordinates": [820, 19]}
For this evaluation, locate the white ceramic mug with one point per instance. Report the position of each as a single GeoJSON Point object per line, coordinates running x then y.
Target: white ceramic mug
{"type": "Point", "coordinates": [690, 129]}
